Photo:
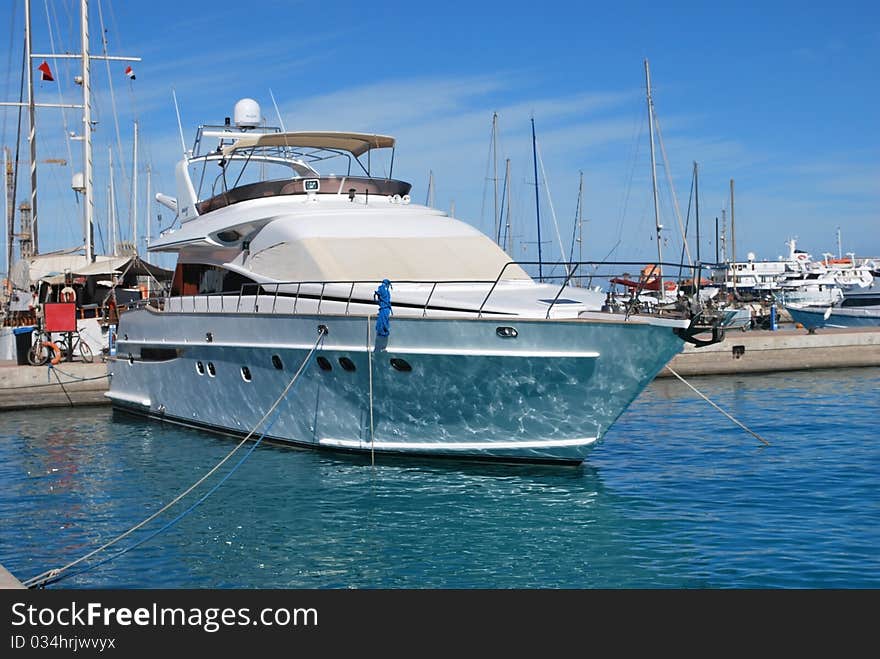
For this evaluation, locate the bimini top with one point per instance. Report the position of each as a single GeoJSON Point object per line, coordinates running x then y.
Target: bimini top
{"type": "Point", "coordinates": [355, 143]}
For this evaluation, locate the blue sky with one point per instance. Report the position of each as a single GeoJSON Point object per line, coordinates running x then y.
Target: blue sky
{"type": "Point", "coordinates": [781, 97]}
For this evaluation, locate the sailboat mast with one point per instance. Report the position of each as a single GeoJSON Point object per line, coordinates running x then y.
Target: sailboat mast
{"type": "Point", "coordinates": [537, 201]}
{"type": "Point", "coordinates": [111, 200]}
{"type": "Point", "coordinates": [134, 190]}
{"type": "Point", "coordinates": [507, 243]}
{"type": "Point", "coordinates": [495, 216]}
{"type": "Point", "coordinates": [10, 210]}
{"type": "Point", "coordinates": [657, 224]}
{"type": "Point", "coordinates": [147, 218]}
{"type": "Point", "coordinates": [732, 238]}
{"type": "Point", "coordinates": [429, 199]}
{"type": "Point", "coordinates": [32, 117]}
{"type": "Point", "coordinates": [88, 175]}
{"type": "Point", "coordinates": [697, 204]}
{"type": "Point", "coordinates": [580, 219]}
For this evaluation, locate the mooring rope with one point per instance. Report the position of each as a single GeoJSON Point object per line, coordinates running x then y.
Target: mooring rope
{"type": "Point", "coordinates": [57, 377]}
{"type": "Point", "coordinates": [50, 576]}
{"type": "Point", "coordinates": [370, 362]}
{"type": "Point", "coordinates": [54, 384]}
{"type": "Point", "coordinates": [705, 398]}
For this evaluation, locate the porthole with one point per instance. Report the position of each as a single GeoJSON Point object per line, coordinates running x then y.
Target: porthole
{"type": "Point", "coordinates": [200, 368]}
{"type": "Point", "coordinates": [245, 374]}
{"type": "Point", "coordinates": [506, 332]}
{"type": "Point", "coordinates": [324, 364]}
{"type": "Point", "coordinates": [130, 358]}
{"type": "Point", "coordinates": [277, 363]}
{"type": "Point", "coordinates": [401, 365]}
{"type": "Point", "coordinates": [211, 370]}
{"type": "Point", "coordinates": [347, 364]}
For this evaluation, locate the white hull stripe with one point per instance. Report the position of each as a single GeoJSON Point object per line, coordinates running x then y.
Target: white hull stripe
{"type": "Point", "coordinates": [456, 446]}
{"type": "Point", "coordinates": [464, 352]}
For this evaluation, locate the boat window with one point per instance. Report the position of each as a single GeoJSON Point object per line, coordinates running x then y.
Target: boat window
{"type": "Point", "coordinates": [346, 364]}
{"type": "Point", "coordinates": [200, 368]}
{"type": "Point", "coordinates": [324, 364]}
{"type": "Point", "coordinates": [202, 279]}
{"type": "Point", "coordinates": [246, 374]}
{"type": "Point", "coordinates": [277, 363]}
{"type": "Point", "coordinates": [211, 370]}
{"type": "Point", "coordinates": [154, 354]}
{"type": "Point", "coordinates": [401, 364]}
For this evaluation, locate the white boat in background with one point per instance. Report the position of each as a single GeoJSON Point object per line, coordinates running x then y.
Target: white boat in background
{"type": "Point", "coordinates": [274, 258]}
{"type": "Point", "coordinates": [855, 309]}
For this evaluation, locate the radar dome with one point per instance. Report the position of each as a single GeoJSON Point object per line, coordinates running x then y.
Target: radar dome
{"type": "Point", "coordinates": [247, 113]}
{"type": "Point", "coordinates": [751, 256]}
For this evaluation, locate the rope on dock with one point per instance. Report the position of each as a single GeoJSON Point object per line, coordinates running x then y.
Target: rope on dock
{"type": "Point", "coordinates": [51, 576]}
{"type": "Point", "coordinates": [704, 397]}
{"type": "Point", "coordinates": [54, 384]}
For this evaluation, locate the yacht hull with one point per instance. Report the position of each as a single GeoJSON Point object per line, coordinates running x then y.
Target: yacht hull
{"type": "Point", "coordinates": [813, 318]}
{"type": "Point", "coordinates": [454, 388]}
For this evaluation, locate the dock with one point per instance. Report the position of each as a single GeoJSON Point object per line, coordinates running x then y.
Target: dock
{"type": "Point", "coordinates": [765, 351]}
{"type": "Point", "coordinates": [9, 582]}
{"type": "Point", "coordinates": [65, 385]}
{"type": "Point", "coordinates": [756, 351]}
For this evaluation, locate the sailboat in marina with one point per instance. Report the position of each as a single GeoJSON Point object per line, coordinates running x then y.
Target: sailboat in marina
{"type": "Point", "coordinates": [98, 285]}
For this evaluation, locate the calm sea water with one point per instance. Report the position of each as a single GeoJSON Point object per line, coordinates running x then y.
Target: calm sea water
{"type": "Point", "coordinates": [676, 496]}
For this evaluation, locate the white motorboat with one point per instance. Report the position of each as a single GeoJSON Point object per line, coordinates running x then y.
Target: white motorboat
{"type": "Point", "coordinates": [274, 258]}
{"type": "Point", "coordinates": [855, 309]}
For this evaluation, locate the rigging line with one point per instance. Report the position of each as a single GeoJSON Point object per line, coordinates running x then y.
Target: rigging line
{"type": "Point", "coordinates": [118, 38]}
{"type": "Point", "coordinates": [126, 184]}
{"type": "Point", "coordinates": [504, 193]}
{"type": "Point", "coordinates": [12, 31]}
{"type": "Point", "coordinates": [277, 112]}
{"type": "Point", "coordinates": [672, 188]}
{"type": "Point", "coordinates": [634, 153]}
{"type": "Point", "coordinates": [486, 179]}
{"type": "Point", "coordinates": [553, 211]}
{"type": "Point", "coordinates": [704, 397]}
{"type": "Point", "coordinates": [48, 575]}
{"type": "Point", "coordinates": [58, 88]}
{"type": "Point", "coordinates": [17, 144]}
{"type": "Point", "coordinates": [687, 223]}
{"type": "Point", "coordinates": [574, 226]}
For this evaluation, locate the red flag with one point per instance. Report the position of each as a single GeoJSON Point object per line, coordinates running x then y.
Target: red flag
{"type": "Point", "coordinates": [129, 72]}
{"type": "Point", "coordinates": [46, 71]}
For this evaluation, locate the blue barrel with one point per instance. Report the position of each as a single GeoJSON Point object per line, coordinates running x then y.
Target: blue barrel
{"type": "Point", "coordinates": [773, 325]}
{"type": "Point", "coordinates": [24, 337]}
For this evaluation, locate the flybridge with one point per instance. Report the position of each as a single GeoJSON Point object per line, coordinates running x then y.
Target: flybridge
{"type": "Point", "coordinates": [258, 161]}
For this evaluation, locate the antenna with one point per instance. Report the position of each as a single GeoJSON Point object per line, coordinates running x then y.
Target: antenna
{"type": "Point", "coordinates": [280, 120]}
{"type": "Point", "coordinates": [179, 125]}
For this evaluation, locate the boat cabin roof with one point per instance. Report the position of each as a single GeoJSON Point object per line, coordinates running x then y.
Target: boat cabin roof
{"type": "Point", "coordinates": [355, 143]}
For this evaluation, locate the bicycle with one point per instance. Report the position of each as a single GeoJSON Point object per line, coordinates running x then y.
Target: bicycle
{"type": "Point", "coordinates": [40, 353]}
{"type": "Point", "coordinates": [77, 345]}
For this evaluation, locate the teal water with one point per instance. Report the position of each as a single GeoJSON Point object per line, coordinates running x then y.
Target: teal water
{"type": "Point", "coordinates": [675, 496]}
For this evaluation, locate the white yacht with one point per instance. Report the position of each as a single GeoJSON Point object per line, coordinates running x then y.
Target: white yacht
{"type": "Point", "coordinates": [274, 258]}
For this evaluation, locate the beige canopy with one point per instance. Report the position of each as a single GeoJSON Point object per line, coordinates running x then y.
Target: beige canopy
{"type": "Point", "coordinates": [356, 143]}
